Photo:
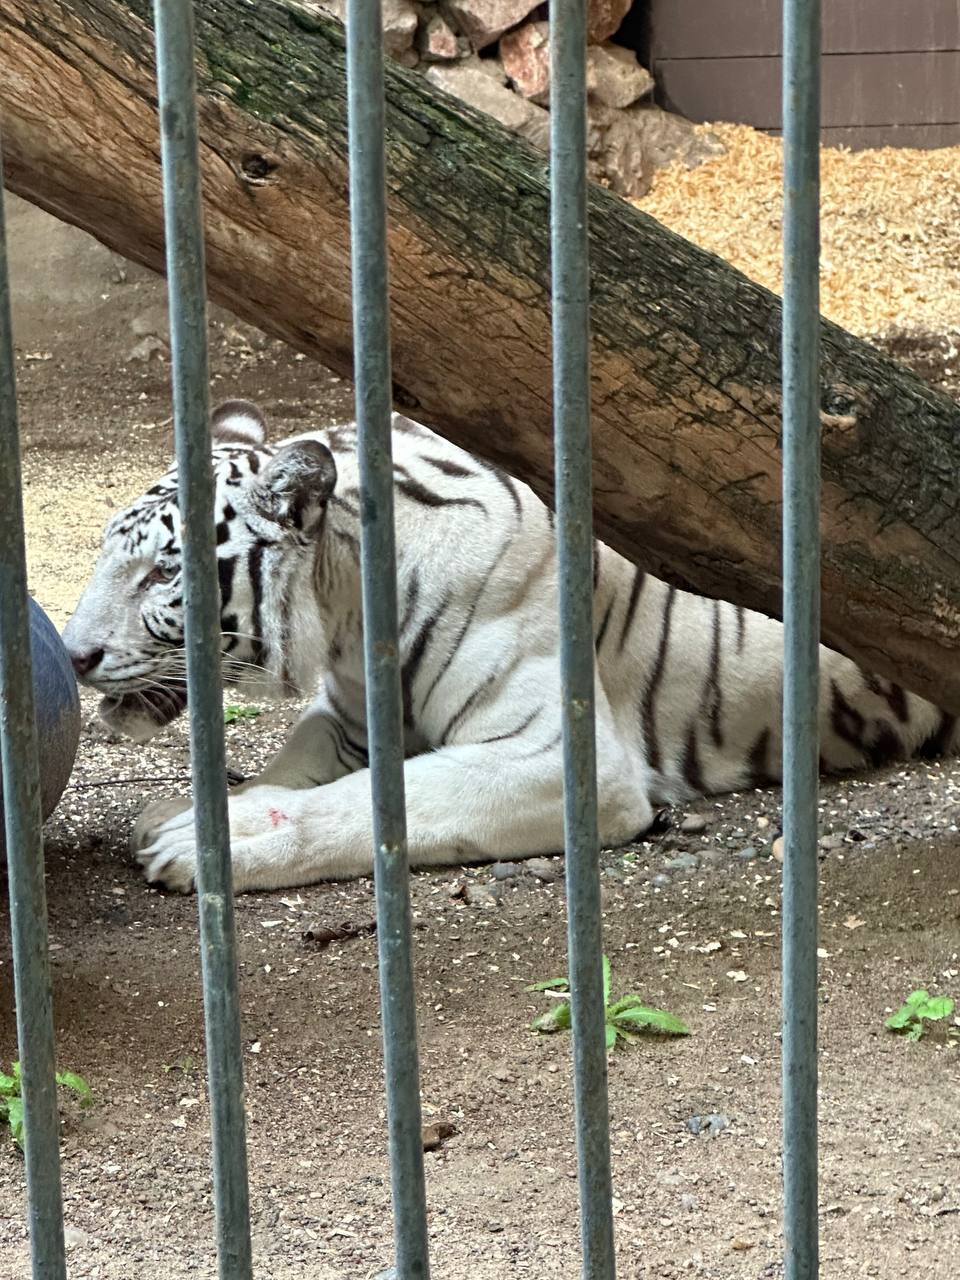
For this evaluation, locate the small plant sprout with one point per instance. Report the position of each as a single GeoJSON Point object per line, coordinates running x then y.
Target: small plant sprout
{"type": "Point", "coordinates": [231, 714]}
{"type": "Point", "coordinates": [11, 1098]}
{"type": "Point", "coordinates": [919, 1008]}
{"type": "Point", "coordinates": [626, 1019]}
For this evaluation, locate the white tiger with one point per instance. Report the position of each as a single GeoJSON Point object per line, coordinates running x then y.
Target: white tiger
{"type": "Point", "coordinates": [688, 690]}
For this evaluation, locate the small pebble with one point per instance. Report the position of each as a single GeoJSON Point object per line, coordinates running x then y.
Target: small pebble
{"type": "Point", "coordinates": [483, 895]}
{"type": "Point", "coordinates": [543, 869]}
{"type": "Point", "coordinates": [683, 862]}
{"type": "Point", "coordinates": [689, 1202]}
{"type": "Point", "coordinates": [712, 1125]}
{"type": "Point", "coordinates": [746, 855]}
{"type": "Point", "coordinates": [505, 870]}
{"type": "Point", "coordinates": [434, 1135]}
{"type": "Point", "coordinates": [777, 849]}
{"type": "Point", "coordinates": [693, 824]}
{"type": "Point", "coordinates": [660, 880]}
{"type": "Point", "coordinates": [831, 842]}
{"type": "Point", "coordinates": [711, 857]}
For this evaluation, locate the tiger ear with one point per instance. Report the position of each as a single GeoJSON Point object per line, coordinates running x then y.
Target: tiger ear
{"type": "Point", "coordinates": [238, 422]}
{"type": "Point", "coordinates": [295, 486]}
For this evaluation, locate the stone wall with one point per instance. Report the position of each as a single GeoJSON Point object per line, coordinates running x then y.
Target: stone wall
{"type": "Point", "coordinates": [494, 55]}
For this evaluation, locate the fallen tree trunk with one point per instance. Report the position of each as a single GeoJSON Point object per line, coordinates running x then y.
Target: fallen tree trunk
{"type": "Point", "coordinates": [686, 360]}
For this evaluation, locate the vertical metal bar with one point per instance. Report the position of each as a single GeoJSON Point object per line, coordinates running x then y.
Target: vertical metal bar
{"type": "Point", "coordinates": [183, 220]}
{"type": "Point", "coordinates": [374, 390]}
{"type": "Point", "coordinates": [22, 823]}
{"type": "Point", "coordinates": [801, 615]}
{"type": "Point", "coordinates": [574, 494]}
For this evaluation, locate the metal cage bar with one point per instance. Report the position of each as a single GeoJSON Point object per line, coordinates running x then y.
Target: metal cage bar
{"type": "Point", "coordinates": [801, 617]}
{"type": "Point", "coordinates": [575, 549]}
{"type": "Point", "coordinates": [183, 220]}
{"type": "Point", "coordinates": [374, 402]}
{"type": "Point", "coordinates": [22, 823]}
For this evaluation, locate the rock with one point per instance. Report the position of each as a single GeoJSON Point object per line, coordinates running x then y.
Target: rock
{"type": "Point", "coordinates": [614, 76]}
{"type": "Point", "coordinates": [615, 153]}
{"type": "Point", "coordinates": [666, 137]}
{"type": "Point", "coordinates": [711, 857]}
{"type": "Point", "coordinates": [627, 146]}
{"type": "Point", "coordinates": [689, 1202]}
{"type": "Point", "coordinates": [436, 41]}
{"type": "Point", "coordinates": [409, 59]}
{"type": "Point", "coordinates": [660, 880]}
{"type": "Point", "coordinates": [322, 935]}
{"type": "Point", "coordinates": [693, 824]}
{"type": "Point", "coordinates": [483, 21]}
{"type": "Point", "coordinates": [746, 855]}
{"type": "Point", "coordinates": [831, 842]}
{"type": "Point", "coordinates": [683, 862]}
{"type": "Point", "coordinates": [482, 895]}
{"type": "Point", "coordinates": [491, 66]}
{"type": "Point", "coordinates": [777, 849]}
{"type": "Point", "coordinates": [526, 60]}
{"type": "Point", "coordinates": [716, 1124]}
{"type": "Point", "coordinates": [400, 20]}
{"type": "Point", "coordinates": [434, 1135]}
{"type": "Point", "coordinates": [73, 1236]}
{"type": "Point", "coordinates": [710, 1126]}
{"type": "Point", "coordinates": [239, 334]}
{"type": "Point", "coordinates": [480, 90]}
{"type": "Point", "coordinates": [543, 869]}
{"type": "Point", "coordinates": [505, 870]}
{"type": "Point", "coordinates": [604, 17]}
{"type": "Point", "coordinates": [147, 349]}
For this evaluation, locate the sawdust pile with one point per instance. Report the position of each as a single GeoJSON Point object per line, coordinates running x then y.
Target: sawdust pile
{"type": "Point", "coordinates": [890, 226]}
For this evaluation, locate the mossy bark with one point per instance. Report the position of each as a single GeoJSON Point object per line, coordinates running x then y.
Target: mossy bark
{"type": "Point", "coordinates": [686, 350]}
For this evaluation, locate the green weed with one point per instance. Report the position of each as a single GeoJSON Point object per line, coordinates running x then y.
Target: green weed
{"type": "Point", "coordinates": [626, 1019]}
{"type": "Point", "coordinates": [232, 714]}
{"type": "Point", "coordinates": [920, 1008]}
{"type": "Point", "coordinates": [11, 1098]}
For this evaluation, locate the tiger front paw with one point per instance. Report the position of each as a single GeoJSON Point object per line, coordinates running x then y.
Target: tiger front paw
{"type": "Point", "coordinates": [264, 838]}
{"type": "Point", "coordinates": [153, 818]}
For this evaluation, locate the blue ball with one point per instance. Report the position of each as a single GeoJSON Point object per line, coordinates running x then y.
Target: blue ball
{"type": "Point", "coordinates": [58, 710]}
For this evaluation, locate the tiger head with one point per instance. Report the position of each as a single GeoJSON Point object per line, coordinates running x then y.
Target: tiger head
{"type": "Point", "coordinates": [126, 638]}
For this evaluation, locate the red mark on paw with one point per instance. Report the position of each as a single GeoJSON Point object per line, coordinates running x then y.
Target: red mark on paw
{"type": "Point", "coordinates": [277, 816]}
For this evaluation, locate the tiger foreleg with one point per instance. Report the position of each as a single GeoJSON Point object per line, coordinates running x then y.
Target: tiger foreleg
{"type": "Point", "coordinates": [468, 803]}
{"type": "Point", "coordinates": [320, 749]}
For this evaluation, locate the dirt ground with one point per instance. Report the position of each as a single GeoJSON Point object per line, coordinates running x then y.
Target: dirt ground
{"type": "Point", "coordinates": [691, 922]}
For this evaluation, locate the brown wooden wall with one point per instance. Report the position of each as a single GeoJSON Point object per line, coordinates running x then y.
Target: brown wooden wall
{"type": "Point", "coordinates": [891, 68]}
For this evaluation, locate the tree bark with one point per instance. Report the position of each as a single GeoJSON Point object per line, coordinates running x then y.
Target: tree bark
{"type": "Point", "coordinates": [685, 352]}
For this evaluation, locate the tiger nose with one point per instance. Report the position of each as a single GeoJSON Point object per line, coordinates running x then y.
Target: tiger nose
{"type": "Point", "coordinates": [83, 663]}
